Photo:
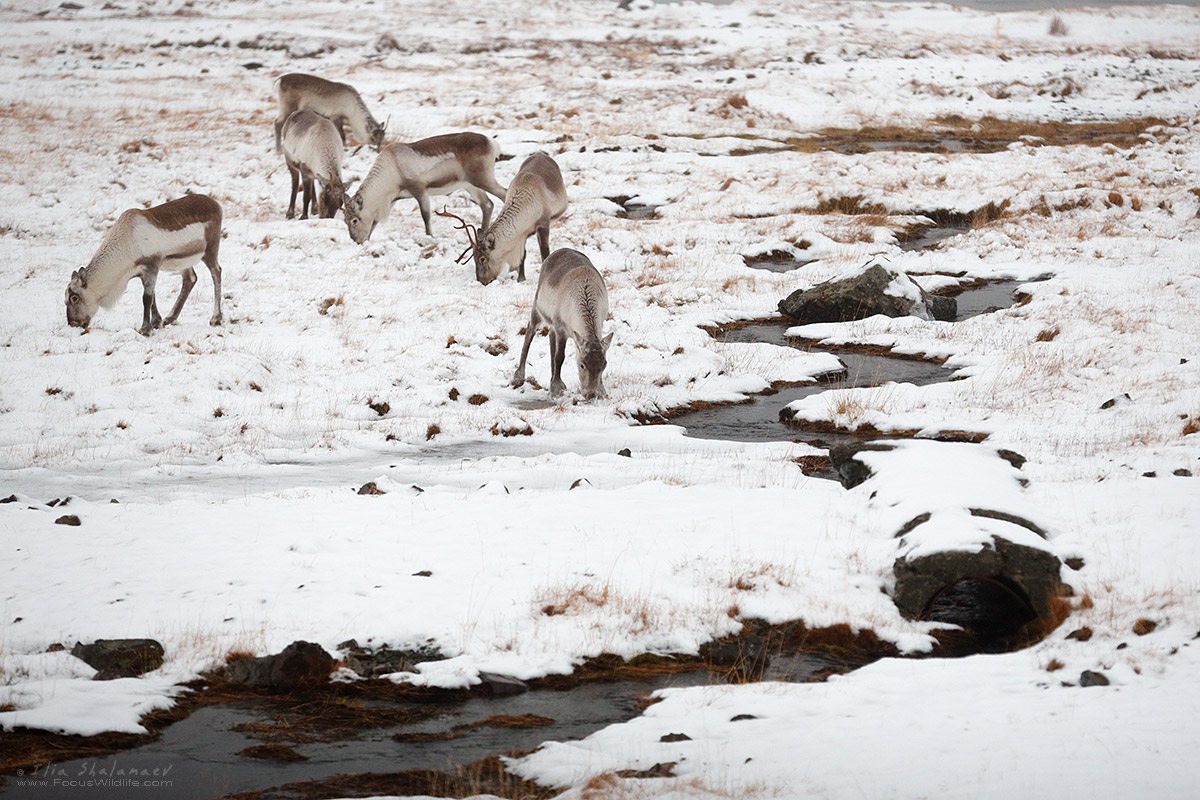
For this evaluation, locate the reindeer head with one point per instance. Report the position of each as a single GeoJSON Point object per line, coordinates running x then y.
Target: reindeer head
{"type": "Point", "coordinates": [331, 198]}
{"type": "Point", "coordinates": [360, 225]}
{"type": "Point", "coordinates": [377, 134]}
{"type": "Point", "coordinates": [592, 360]}
{"type": "Point", "coordinates": [81, 306]}
{"type": "Point", "coordinates": [475, 249]}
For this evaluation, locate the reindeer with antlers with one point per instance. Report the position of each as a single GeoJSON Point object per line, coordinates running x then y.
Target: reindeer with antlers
{"type": "Point", "coordinates": [534, 198]}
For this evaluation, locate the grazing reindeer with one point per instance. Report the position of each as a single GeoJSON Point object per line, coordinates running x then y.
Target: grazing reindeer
{"type": "Point", "coordinates": [171, 237]}
{"type": "Point", "coordinates": [338, 102]}
{"type": "Point", "coordinates": [534, 198]}
{"type": "Point", "coordinates": [572, 301]}
{"type": "Point", "coordinates": [313, 152]}
{"type": "Point", "coordinates": [437, 165]}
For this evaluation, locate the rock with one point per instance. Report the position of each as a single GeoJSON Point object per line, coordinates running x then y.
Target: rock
{"type": "Point", "coordinates": [1080, 634]}
{"type": "Point", "coordinates": [873, 290]}
{"type": "Point", "coordinates": [272, 752]}
{"type": "Point", "coordinates": [746, 657]}
{"type": "Point", "coordinates": [300, 664]}
{"type": "Point", "coordinates": [380, 407]}
{"type": "Point", "coordinates": [12, 498]}
{"type": "Point", "coordinates": [1119, 400]}
{"type": "Point", "coordinates": [1089, 678]}
{"type": "Point", "coordinates": [120, 658]}
{"type": "Point", "coordinates": [1144, 626]}
{"type": "Point", "coordinates": [675, 737]}
{"type": "Point", "coordinates": [1182, 473]}
{"type": "Point", "coordinates": [386, 661]}
{"type": "Point", "coordinates": [370, 488]}
{"type": "Point", "coordinates": [625, 451]}
{"type": "Point", "coordinates": [502, 685]}
{"type": "Point", "coordinates": [850, 471]}
{"type": "Point", "coordinates": [68, 519]}
{"type": "Point", "coordinates": [742, 717]}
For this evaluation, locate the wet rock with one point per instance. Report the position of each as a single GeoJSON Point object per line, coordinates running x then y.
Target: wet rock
{"type": "Point", "coordinates": [120, 658]}
{"type": "Point", "coordinates": [371, 663]}
{"type": "Point", "coordinates": [68, 519]}
{"type": "Point", "coordinates": [1089, 678]}
{"type": "Point", "coordinates": [502, 685]}
{"type": "Point", "coordinates": [872, 290]}
{"type": "Point", "coordinates": [746, 658]}
{"type": "Point", "coordinates": [300, 664]}
{"type": "Point", "coordinates": [851, 471]}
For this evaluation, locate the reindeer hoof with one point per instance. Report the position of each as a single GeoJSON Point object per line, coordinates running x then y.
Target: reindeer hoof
{"type": "Point", "coordinates": [291, 215]}
{"type": "Point", "coordinates": [144, 330]}
{"type": "Point", "coordinates": [215, 321]}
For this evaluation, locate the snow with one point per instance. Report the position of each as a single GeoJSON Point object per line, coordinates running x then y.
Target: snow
{"type": "Point", "coordinates": [234, 453]}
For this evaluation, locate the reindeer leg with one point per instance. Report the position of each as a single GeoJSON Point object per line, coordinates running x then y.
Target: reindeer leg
{"type": "Point", "coordinates": [150, 316]}
{"type": "Point", "coordinates": [422, 198]}
{"type": "Point", "coordinates": [521, 267]}
{"type": "Point", "coordinates": [189, 280]}
{"type": "Point", "coordinates": [214, 269]}
{"type": "Point", "coordinates": [485, 206]}
{"type": "Point", "coordinates": [291, 212]}
{"type": "Point", "coordinates": [279, 129]}
{"type": "Point", "coordinates": [308, 198]}
{"type": "Point", "coordinates": [518, 379]}
{"type": "Point", "coordinates": [543, 234]}
{"type": "Point", "coordinates": [558, 354]}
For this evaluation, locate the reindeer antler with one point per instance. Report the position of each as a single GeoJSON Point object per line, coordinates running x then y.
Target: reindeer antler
{"type": "Point", "coordinates": [467, 228]}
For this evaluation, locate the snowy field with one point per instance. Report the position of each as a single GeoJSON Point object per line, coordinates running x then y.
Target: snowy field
{"type": "Point", "coordinates": [214, 469]}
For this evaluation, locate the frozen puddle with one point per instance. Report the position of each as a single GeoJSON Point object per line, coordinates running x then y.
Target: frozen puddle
{"type": "Point", "coordinates": [758, 420]}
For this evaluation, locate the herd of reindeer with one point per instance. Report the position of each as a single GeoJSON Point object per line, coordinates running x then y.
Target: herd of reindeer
{"type": "Point", "coordinates": [571, 298]}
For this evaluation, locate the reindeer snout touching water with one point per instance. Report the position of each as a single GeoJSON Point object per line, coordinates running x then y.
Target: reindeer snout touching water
{"type": "Point", "coordinates": [572, 301]}
{"type": "Point", "coordinates": [173, 237]}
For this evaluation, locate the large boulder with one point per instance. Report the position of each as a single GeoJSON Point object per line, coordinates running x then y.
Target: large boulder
{"type": "Point", "coordinates": [874, 289]}
{"type": "Point", "coordinates": [120, 658]}
{"type": "Point", "coordinates": [300, 664]}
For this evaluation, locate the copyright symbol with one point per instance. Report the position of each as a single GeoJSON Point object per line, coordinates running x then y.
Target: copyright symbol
{"type": "Point", "coordinates": [20, 772]}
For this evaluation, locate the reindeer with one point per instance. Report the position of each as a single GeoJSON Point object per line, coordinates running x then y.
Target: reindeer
{"type": "Point", "coordinates": [338, 102]}
{"type": "Point", "coordinates": [572, 301]}
{"type": "Point", "coordinates": [534, 198]}
{"type": "Point", "coordinates": [313, 152]}
{"type": "Point", "coordinates": [173, 237]}
{"type": "Point", "coordinates": [437, 165]}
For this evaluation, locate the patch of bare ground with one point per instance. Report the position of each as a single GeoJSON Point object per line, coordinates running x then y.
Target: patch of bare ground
{"type": "Point", "coordinates": [954, 134]}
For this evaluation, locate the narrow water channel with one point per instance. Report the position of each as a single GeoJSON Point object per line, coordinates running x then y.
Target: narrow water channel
{"type": "Point", "coordinates": [758, 420]}
{"type": "Point", "coordinates": [200, 757]}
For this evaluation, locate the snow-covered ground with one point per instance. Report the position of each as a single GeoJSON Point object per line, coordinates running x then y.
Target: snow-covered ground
{"type": "Point", "coordinates": [233, 453]}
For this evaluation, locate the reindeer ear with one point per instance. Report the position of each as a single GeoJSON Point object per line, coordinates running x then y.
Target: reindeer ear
{"type": "Point", "coordinates": [607, 341]}
{"type": "Point", "coordinates": [79, 275]}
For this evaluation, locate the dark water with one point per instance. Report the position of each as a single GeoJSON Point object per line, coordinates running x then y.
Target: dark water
{"type": "Point", "coordinates": [199, 754]}
{"type": "Point", "coordinates": [758, 420]}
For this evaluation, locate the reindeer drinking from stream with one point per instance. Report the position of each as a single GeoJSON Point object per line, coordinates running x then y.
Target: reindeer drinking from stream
{"type": "Point", "coordinates": [340, 103]}
{"type": "Point", "coordinates": [572, 301]}
{"type": "Point", "coordinates": [173, 237]}
{"type": "Point", "coordinates": [313, 153]}
{"type": "Point", "coordinates": [534, 198]}
{"type": "Point", "coordinates": [433, 166]}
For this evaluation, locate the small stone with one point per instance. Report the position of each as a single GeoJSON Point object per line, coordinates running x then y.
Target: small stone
{"type": "Point", "coordinates": [625, 451]}
{"type": "Point", "coordinates": [301, 663]}
{"type": "Point", "coordinates": [1089, 678]}
{"type": "Point", "coordinates": [741, 717]}
{"type": "Point", "coordinates": [370, 488]}
{"type": "Point", "coordinates": [1074, 562]}
{"type": "Point", "coordinates": [12, 498]}
{"type": "Point", "coordinates": [68, 519]}
{"type": "Point", "coordinates": [1150, 474]}
{"type": "Point", "coordinates": [1182, 473]}
{"type": "Point", "coordinates": [381, 408]}
{"type": "Point", "coordinates": [675, 737]}
{"type": "Point", "coordinates": [1119, 400]}
{"type": "Point", "coordinates": [1144, 626]}
{"type": "Point", "coordinates": [57, 647]}
{"type": "Point", "coordinates": [423, 574]}
{"type": "Point", "coordinates": [1080, 634]}
{"type": "Point", "coordinates": [349, 644]}
{"type": "Point", "coordinates": [502, 685]}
